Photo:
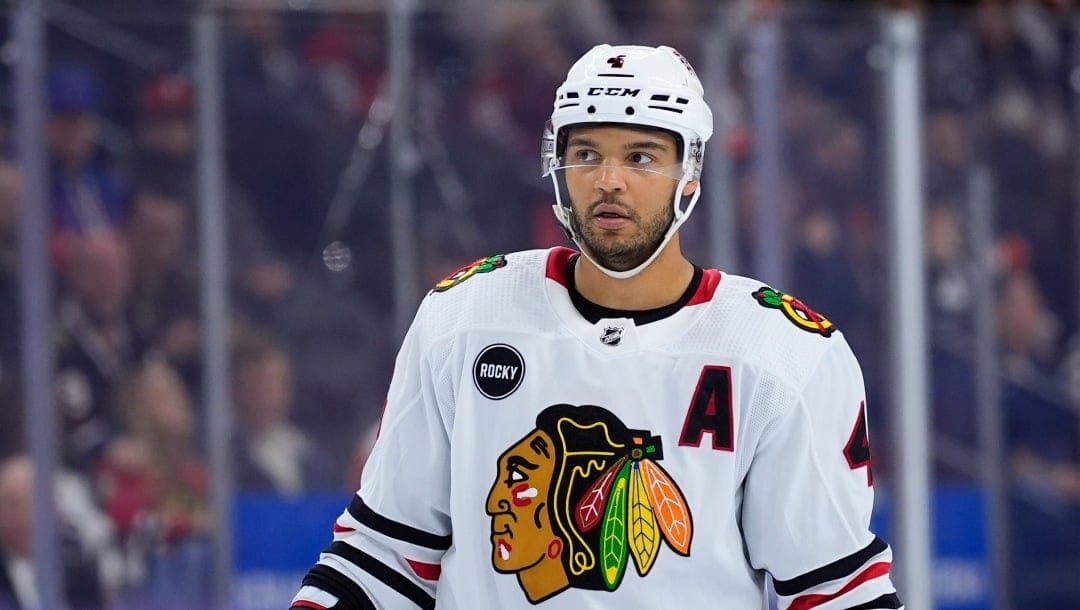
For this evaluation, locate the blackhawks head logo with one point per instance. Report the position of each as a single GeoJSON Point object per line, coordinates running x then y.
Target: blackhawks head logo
{"type": "Point", "coordinates": [794, 310]}
{"type": "Point", "coordinates": [482, 265]}
{"type": "Point", "coordinates": [579, 498]}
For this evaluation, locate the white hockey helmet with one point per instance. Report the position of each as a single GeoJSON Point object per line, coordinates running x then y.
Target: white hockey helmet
{"type": "Point", "coordinates": [636, 85]}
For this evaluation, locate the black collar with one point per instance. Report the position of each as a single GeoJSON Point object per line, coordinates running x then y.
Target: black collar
{"type": "Point", "coordinates": [594, 313]}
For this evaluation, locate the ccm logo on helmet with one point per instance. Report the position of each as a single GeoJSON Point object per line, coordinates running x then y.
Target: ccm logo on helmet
{"type": "Point", "coordinates": [617, 91]}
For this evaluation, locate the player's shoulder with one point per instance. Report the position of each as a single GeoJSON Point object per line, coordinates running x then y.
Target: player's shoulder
{"type": "Point", "coordinates": [757, 301]}
{"type": "Point", "coordinates": [494, 272]}
{"type": "Point", "coordinates": [772, 329]}
{"type": "Point", "coordinates": [485, 287]}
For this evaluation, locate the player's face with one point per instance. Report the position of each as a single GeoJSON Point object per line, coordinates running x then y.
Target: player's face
{"type": "Point", "coordinates": [621, 188]}
{"type": "Point", "coordinates": [521, 532]}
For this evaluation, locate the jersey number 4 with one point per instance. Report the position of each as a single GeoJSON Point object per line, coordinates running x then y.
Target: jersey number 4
{"type": "Point", "coordinates": [857, 450]}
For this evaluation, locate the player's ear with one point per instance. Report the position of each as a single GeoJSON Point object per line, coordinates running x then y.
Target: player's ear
{"type": "Point", "coordinates": [690, 188]}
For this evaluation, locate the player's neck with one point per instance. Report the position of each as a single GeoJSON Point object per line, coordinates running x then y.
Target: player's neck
{"type": "Point", "coordinates": [659, 284]}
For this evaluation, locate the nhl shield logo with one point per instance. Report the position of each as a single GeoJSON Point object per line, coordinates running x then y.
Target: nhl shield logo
{"type": "Point", "coordinates": [612, 336]}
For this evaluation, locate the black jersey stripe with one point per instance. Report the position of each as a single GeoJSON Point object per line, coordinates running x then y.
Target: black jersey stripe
{"type": "Point", "coordinates": [889, 600]}
{"type": "Point", "coordinates": [384, 573]}
{"type": "Point", "coordinates": [841, 568]}
{"type": "Point", "coordinates": [394, 529]}
{"type": "Point", "coordinates": [349, 594]}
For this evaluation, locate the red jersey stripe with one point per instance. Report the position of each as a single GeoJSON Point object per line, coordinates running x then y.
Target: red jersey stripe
{"type": "Point", "coordinates": [806, 602]}
{"type": "Point", "coordinates": [556, 263]}
{"type": "Point", "coordinates": [427, 571]}
{"type": "Point", "coordinates": [710, 280]}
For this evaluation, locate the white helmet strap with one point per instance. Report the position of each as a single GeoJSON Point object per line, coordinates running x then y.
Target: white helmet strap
{"type": "Point", "coordinates": [682, 205]}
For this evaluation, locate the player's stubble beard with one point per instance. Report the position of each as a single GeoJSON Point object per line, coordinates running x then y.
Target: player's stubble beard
{"type": "Point", "coordinates": [621, 253]}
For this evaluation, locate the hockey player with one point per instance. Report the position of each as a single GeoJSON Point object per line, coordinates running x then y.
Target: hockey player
{"type": "Point", "coordinates": [614, 427]}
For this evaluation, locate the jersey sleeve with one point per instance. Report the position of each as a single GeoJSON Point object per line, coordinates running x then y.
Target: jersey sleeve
{"type": "Point", "coordinates": [389, 542]}
{"type": "Point", "coordinates": [808, 494]}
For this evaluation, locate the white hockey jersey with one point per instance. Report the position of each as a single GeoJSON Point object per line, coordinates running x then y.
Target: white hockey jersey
{"type": "Point", "coordinates": [529, 457]}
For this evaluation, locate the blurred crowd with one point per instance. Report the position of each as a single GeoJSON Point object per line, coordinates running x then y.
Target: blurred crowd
{"type": "Point", "coordinates": [312, 344]}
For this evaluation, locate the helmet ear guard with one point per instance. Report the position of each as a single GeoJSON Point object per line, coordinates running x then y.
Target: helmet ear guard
{"type": "Point", "coordinates": [694, 159]}
{"type": "Point", "coordinates": [549, 150]}
{"type": "Point", "coordinates": [652, 87]}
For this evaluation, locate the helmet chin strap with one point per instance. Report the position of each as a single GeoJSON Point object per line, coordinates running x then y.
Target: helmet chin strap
{"type": "Point", "coordinates": [563, 214]}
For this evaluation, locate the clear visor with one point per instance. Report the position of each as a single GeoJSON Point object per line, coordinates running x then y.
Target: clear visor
{"type": "Point", "coordinates": [590, 164]}
{"type": "Point", "coordinates": [635, 168]}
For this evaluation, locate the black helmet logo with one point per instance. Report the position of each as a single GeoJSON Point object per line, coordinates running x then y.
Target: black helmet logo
{"type": "Point", "coordinates": [617, 61]}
